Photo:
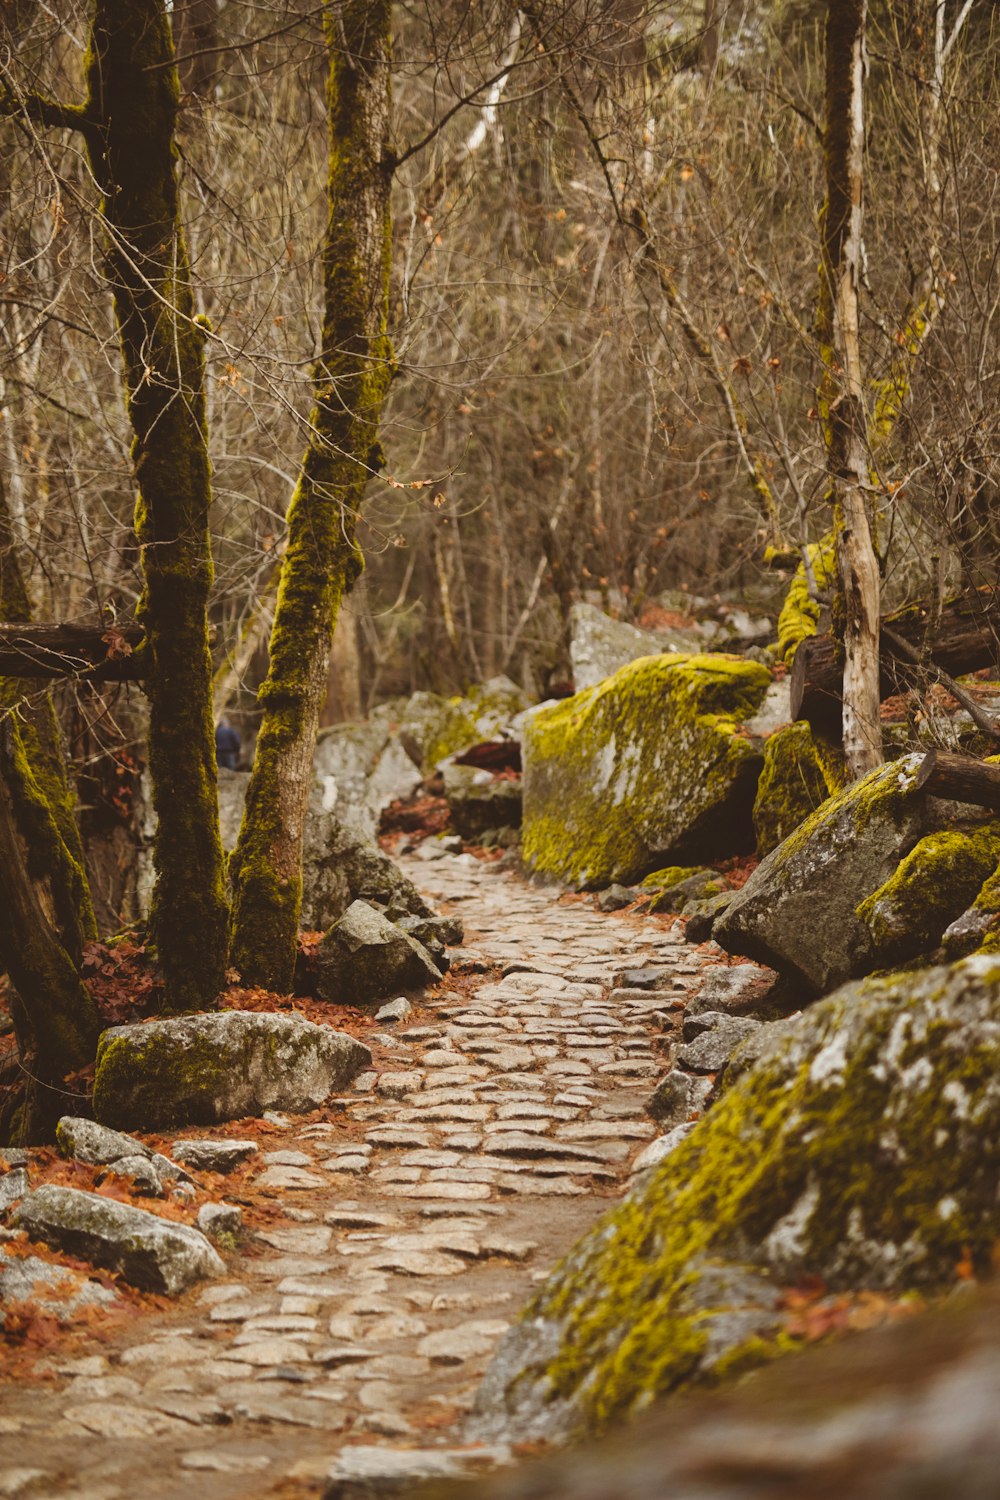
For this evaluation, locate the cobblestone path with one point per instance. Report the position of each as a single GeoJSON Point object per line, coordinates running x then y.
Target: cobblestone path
{"type": "Point", "coordinates": [409, 1235]}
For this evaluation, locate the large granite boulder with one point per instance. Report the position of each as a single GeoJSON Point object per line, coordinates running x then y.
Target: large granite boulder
{"type": "Point", "coordinates": [364, 958]}
{"type": "Point", "coordinates": [798, 911]}
{"type": "Point", "coordinates": [650, 763]}
{"type": "Point", "coordinates": [341, 865]}
{"type": "Point", "coordinates": [149, 1252]}
{"type": "Point", "coordinates": [432, 727]}
{"type": "Point", "coordinates": [191, 1070]}
{"type": "Point", "coordinates": [861, 1148]}
{"type": "Point", "coordinates": [599, 645]}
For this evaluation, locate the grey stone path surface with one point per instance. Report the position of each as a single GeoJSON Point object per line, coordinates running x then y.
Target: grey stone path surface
{"type": "Point", "coordinates": [361, 1323]}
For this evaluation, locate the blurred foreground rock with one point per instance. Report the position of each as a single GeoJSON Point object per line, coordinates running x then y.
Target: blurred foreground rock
{"type": "Point", "coordinates": [900, 1413]}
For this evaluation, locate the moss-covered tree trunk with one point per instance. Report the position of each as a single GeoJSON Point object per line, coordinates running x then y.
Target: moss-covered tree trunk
{"type": "Point", "coordinates": [844, 145]}
{"type": "Point", "coordinates": [322, 557]}
{"type": "Point", "coordinates": [45, 909]}
{"type": "Point", "coordinates": [131, 115]}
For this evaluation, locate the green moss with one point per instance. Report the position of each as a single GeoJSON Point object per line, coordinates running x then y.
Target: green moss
{"type": "Point", "coordinates": [322, 558]}
{"type": "Point", "coordinates": [800, 772]}
{"type": "Point", "coordinates": [646, 761]}
{"type": "Point", "coordinates": [671, 875]}
{"type": "Point", "coordinates": [800, 612]}
{"type": "Point", "coordinates": [884, 1158]}
{"type": "Point", "coordinates": [171, 1078]}
{"type": "Point", "coordinates": [932, 886]}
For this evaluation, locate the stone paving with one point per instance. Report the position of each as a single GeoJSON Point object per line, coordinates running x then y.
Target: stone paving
{"type": "Point", "coordinates": [409, 1236]}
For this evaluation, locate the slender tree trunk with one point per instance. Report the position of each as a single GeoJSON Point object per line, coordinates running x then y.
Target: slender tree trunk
{"type": "Point", "coordinates": [846, 423]}
{"type": "Point", "coordinates": [131, 112]}
{"type": "Point", "coordinates": [322, 558]}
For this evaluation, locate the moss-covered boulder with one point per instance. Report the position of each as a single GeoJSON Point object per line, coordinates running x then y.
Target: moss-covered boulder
{"type": "Point", "coordinates": [798, 911]}
{"type": "Point", "coordinates": [648, 764]}
{"type": "Point", "coordinates": [862, 1147]}
{"type": "Point", "coordinates": [687, 886]}
{"type": "Point", "coordinates": [931, 889]}
{"type": "Point", "coordinates": [192, 1070]}
{"type": "Point", "coordinates": [432, 727]}
{"type": "Point", "coordinates": [800, 772]}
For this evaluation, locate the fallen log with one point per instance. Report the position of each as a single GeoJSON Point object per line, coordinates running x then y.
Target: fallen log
{"type": "Point", "coordinates": [960, 778]}
{"type": "Point", "coordinates": [98, 654]}
{"type": "Point", "coordinates": [963, 637]}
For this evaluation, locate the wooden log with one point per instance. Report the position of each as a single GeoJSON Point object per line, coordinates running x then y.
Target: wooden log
{"type": "Point", "coordinates": [99, 655]}
{"type": "Point", "coordinates": [964, 637]}
{"type": "Point", "coordinates": [960, 778]}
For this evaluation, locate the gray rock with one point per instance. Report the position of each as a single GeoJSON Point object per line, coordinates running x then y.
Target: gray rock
{"type": "Point", "coordinates": [644, 979]}
{"type": "Point", "coordinates": [661, 1148]}
{"type": "Point", "coordinates": [615, 898]}
{"type": "Point", "coordinates": [149, 1252]}
{"type": "Point", "coordinates": [713, 1046]}
{"type": "Point", "coordinates": [13, 1156]}
{"type": "Point", "coordinates": [676, 1098]}
{"type": "Point", "coordinates": [340, 865]}
{"type": "Point", "coordinates": [13, 1186]}
{"type": "Point", "coordinates": [86, 1140]}
{"type": "Point", "coordinates": [395, 1010]}
{"type": "Point", "coordinates": [738, 989]}
{"type": "Point", "coordinates": [598, 645]}
{"type": "Point", "coordinates": [364, 957]}
{"type": "Point", "coordinates": [223, 1066]}
{"type": "Point", "coordinates": [431, 727]}
{"type": "Point", "coordinates": [57, 1290]}
{"type": "Point", "coordinates": [213, 1155]}
{"type": "Point", "coordinates": [221, 1221]}
{"type": "Point", "coordinates": [363, 1473]}
{"type": "Point", "coordinates": [140, 1171]}
{"type": "Point", "coordinates": [797, 912]}
{"type": "Point", "coordinates": [478, 800]}
{"type": "Point", "coordinates": [700, 917]}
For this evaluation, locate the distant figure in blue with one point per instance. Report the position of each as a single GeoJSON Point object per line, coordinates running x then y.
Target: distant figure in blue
{"type": "Point", "coordinates": [227, 745]}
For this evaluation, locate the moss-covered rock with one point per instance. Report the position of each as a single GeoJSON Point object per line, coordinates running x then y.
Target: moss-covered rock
{"type": "Point", "coordinates": [931, 888]}
{"type": "Point", "coordinates": [698, 885]}
{"type": "Point", "coordinates": [798, 910]}
{"type": "Point", "coordinates": [800, 772]}
{"type": "Point", "coordinates": [199, 1069]}
{"type": "Point", "coordinates": [649, 763]}
{"type": "Point", "coordinates": [862, 1147]}
{"type": "Point", "coordinates": [432, 727]}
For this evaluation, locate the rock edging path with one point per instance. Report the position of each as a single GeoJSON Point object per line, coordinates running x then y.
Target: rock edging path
{"type": "Point", "coordinates": [354, 1333]}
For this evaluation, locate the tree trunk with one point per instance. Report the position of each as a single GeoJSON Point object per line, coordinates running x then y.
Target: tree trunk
{"type": "Point", "coordinates": [322, 558]}
{"type": "Point", "coordinates": [44, 897]}
{"type": "Point", "coordinates": [132, 110]}
{"type": "Point", "coordinates": [846, 423]}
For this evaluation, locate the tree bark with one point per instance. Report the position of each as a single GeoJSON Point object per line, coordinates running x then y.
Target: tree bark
{"type": "Point", "coordinates": [69, 650]}
{"type": "Point", "coordinates": [322, 558]}
{"type": "Point", "coordinates": [963, 637]}
{"type": "Point", "coordinates": [960, 778]}
{"type": "Point", "coordinates": [131, 113]}
{"type": "Point", "coordinates": [44, 897]}
{"type": "Point", "coordinates": [846, 424]}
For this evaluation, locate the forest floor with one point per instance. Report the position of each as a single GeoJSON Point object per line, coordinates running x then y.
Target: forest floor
{"type": "Point", "coordinates": [390, 1239]}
